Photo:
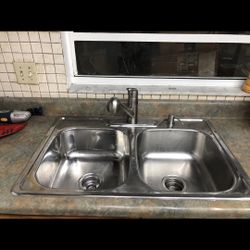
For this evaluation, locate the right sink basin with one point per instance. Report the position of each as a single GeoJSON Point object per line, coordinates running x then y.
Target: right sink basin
{"type": "Point", "coordinates": [183, 161]}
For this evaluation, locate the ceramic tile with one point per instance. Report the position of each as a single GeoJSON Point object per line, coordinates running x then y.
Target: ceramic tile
{"type": "Point", "coordinates": [23, 36]}
{"type": "Point", "coordinates": [211, 98]}
{"type": "Point", "coordinates": [3, 37]}
{"type": "Point", "coordinates": [34, 88]}
{"type": "Point", "coordinates": [4, 77]}
{"type": "Point", "coordinates": [51, 78]}
{"type": "Point", "coordinates": [25, 87]}
{"type": "Point", "coordinates": [36, 94]}
{"type": "Point", "coordinates": [52, 87]}
{"type": "Point", "coordinates": [49, 68]}
{"type": "Point", "coordinates": [6, 86]}
{"type": "Point", "coordinates": [202, 98]}
{"type": "Point", "coordinates": [82, 95]}
{"type": "Point", "coordinates": [43, 87]}
{"type": "Point", "coordinates": [17, 57]}
{"type": "Point", "coordinates": [58, 59]}
{"type": "Point", "coordinates": [16, 87]}
{"type": "Point", "coordinates": [45, 94]}
{"type": "Point", "coordinates": [26, 94]}
{"type": "Point", "coordinates": [2, 68]}
{"type": "Point", "coordinates": [40, 68]}
{"type": "Point", "coordinates": [48, 58]}
{"type": "Point", "coordinates": [61, 78]}
{"type": "Point", "coordinates": [230, 98]}
{"type": "Point", "coordinates": [55, 37]}
{"type": "Point", "coordinates": [57, 48]}
{"type": "Point", "coordinates": [36, 47]}
{"type": "Point", "coordinates": [44, 37]}
{"type": "Point", "coordinates": [60, 69]}
{"type": "Point", "coordinates": [156, 97]}
{"type": "Point", "coordinates": [54, 94]}
{"type": "Point", "coordinates": [239, 98]}
{"type": "Point", "coordinates": [8, 57]}
{"type": "Point", "coordinates": [71, 95]}
{"type": "Point", "coordinates": [144, 96]}
{"type": "Point", "coordinates": [12, 77]}
{"type": "Point", "coordinates": [38, 58]}
{"type": "Point", "coordinates": [46, 48]}
{"type": "Point", "coordinates": [13, 36]}
{"type": "Point", "coordinates": [220, 98]}
{"type": "Point", "coordinates": [63, 88]}
{"type": "Point", "coordinates": [9, 94]}
{"type": "Point", "coordinates": [192, 97]}
{"type": "Point", "coordinates": [42, 78]}
{"type": "Point", "coordinates": [1, 58]}
{"type": "Point", "coordinates": [18, 94]}
{"type": "Point", "coordinates": [15, 47]}
{"type": "Point", "coordinates": [63, 94]}
{"type": "Point", "coordinates": [5, 47]}
{"type": "Point", "coordinates": [247, 98]}
{"type": "Point", "coordinates": [25, 47]}
{"type": "Point", "coordinates": [34, 36]}
{"type": "Point", "coordinates": [28, 58]}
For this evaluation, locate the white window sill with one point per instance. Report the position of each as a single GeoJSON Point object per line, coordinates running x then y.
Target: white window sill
{"type": "Point", "coordinates": [182, 90]}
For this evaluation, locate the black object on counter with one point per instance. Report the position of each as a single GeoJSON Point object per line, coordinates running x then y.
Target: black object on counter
{"type": "Point", "coordinates": [36, 111]}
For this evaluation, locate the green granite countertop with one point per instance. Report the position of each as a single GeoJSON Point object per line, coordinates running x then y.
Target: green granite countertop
{"type": "Point", "coordinates": [17, 149]}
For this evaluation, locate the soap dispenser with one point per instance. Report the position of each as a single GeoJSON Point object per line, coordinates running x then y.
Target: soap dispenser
{"type": "Point", "coordinates": [246, 85]}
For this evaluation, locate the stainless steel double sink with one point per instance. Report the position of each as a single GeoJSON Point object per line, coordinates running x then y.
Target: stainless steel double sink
{"type": "Point", "coordinates": [95, 157]}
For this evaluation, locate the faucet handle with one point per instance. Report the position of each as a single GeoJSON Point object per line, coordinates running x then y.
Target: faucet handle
{"type": "Point", "coordinates": [113, 105]}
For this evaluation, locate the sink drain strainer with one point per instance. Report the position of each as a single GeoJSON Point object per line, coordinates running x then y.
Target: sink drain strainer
{"type": "Point", "coordinates": [90, 182]}
{"type": "Point", "coordinates": [173, 184]}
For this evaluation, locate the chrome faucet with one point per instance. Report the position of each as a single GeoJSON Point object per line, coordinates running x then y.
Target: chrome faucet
{"type": "Point", "coordinates": [114, 104]}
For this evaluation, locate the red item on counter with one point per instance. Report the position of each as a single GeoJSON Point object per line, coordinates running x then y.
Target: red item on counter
{"type": "Point", "coordinates": [8, 129]}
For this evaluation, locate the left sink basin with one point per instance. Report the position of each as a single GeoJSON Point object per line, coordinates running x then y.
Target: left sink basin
{"type": "Point", "coordinates": [81, 160]}
{"type": "Point", "coordinates": [85, 159]}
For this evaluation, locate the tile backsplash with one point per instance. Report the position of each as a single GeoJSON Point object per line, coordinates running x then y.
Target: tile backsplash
{"type": "Point", "coordinates": [42, 48]}
{"type": "Point", "coordinates": [45, 49]}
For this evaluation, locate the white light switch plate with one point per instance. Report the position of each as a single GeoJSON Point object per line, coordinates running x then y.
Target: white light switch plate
{"type": "Point", "coordinates": [26, 73]}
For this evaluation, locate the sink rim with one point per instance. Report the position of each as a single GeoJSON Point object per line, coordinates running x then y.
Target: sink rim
{"type": "Point", "coordinates": [17, 190]}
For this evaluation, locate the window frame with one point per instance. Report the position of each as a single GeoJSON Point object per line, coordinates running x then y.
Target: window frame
{"type": "Point", "coordinates": [147, 84]}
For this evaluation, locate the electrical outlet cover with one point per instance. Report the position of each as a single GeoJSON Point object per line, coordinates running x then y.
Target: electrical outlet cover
{"type": "Point", "coordinates": [26, 73]}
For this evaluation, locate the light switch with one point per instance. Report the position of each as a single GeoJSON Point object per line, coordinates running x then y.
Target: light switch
{"type": "Point", "coordinates": [26, 73]}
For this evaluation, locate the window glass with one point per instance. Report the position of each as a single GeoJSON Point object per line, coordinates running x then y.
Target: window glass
{"type": "Point", "coordinates": [162, 59]}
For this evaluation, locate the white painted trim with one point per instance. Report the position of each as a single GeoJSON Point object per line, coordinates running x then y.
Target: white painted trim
{"type": "Point", "coordinates": [131, 81]}
{"type": "Point", "coordinates": [68, 58]}
{"type": "Point", "coordinates": [89, 83]}
{"type": "Point", "coordinates": [152, 37]}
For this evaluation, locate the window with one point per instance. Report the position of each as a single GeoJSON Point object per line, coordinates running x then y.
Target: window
{"type": "Point", "coordinates": [156, 62]}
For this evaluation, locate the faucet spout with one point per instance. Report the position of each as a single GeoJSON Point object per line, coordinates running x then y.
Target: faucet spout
{"type": "Point", "coordinates": [171, 121]}
{"type": "Point", "coordinates": [133, 104]}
